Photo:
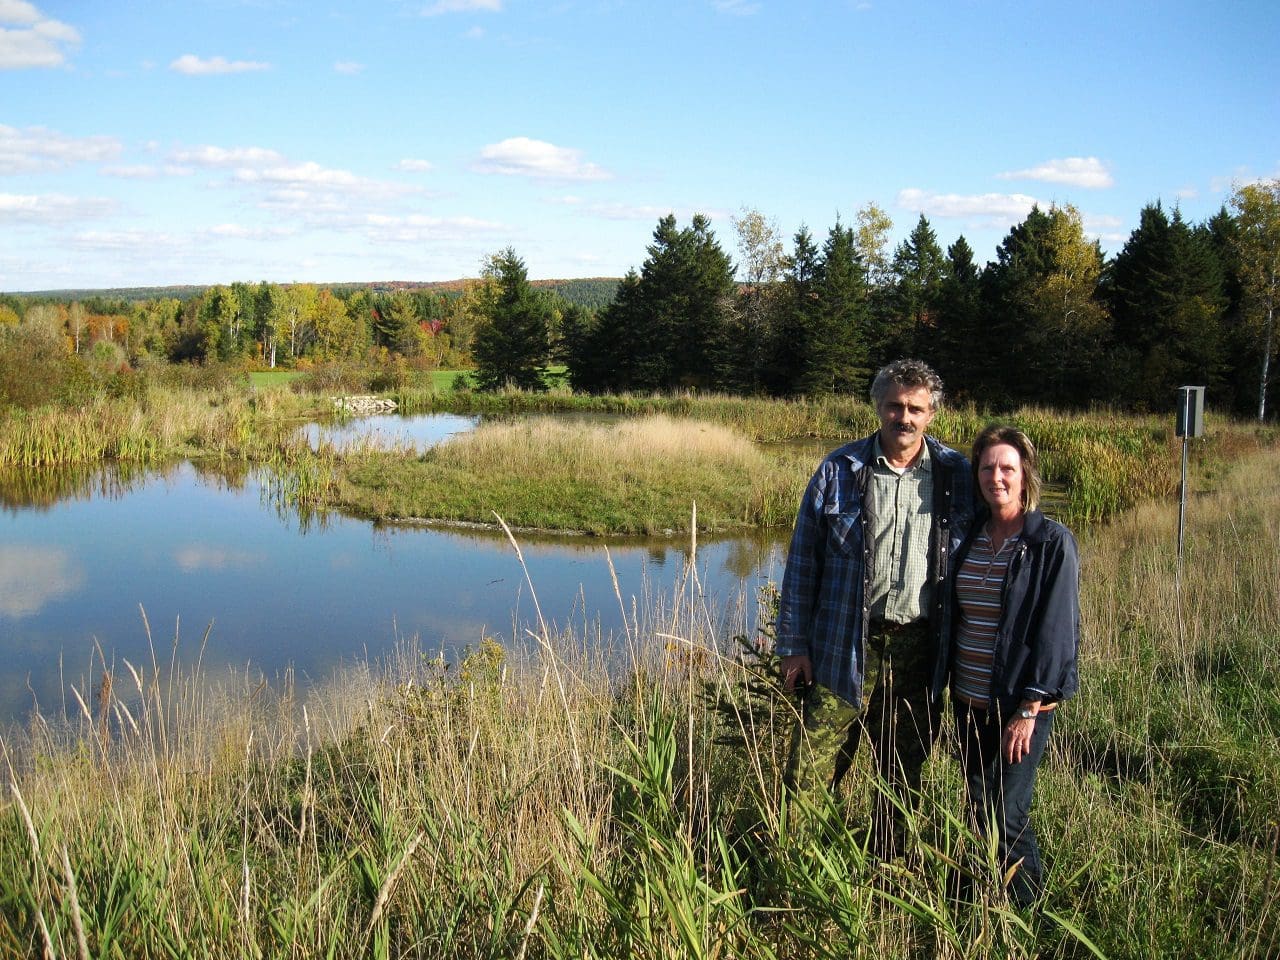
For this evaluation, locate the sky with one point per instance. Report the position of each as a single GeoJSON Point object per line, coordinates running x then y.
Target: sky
{"type": "Point", "coordinates": [210, 141]}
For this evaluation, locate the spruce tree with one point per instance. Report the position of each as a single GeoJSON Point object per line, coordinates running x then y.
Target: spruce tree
{"type": "Point", "coordinates": [955, 350]}
{"type": "Point", "coordinates": [796, 318]}
{"type": "Point", "coordinates": [915, 281]}
{"type": "Point", "coordinates": [835, 347]}
{"type": "Point", "coordinates": [511, 343]}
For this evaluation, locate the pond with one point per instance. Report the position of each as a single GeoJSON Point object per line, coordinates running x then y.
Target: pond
{"type": "Point", "coordinates": [83, 555]}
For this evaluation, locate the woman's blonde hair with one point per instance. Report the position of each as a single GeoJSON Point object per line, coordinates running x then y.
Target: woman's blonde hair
{"type": "Point", "coordinates": [998, 433]}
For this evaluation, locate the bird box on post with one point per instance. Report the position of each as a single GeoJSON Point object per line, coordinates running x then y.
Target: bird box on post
{"type": "Point", "coordinates": [1190, 412]}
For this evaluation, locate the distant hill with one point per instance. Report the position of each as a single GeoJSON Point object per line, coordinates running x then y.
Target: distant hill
{"type": "Point", "coordinates": [589, 292]}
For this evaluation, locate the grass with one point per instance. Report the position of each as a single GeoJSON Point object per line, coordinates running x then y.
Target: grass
{"type": "Point", "coordinates": [536, 801]}
{"type": "Point", "coordinates": [638, 476]}
{"type": "Point", "coordinates": [262, 379]}
{"type": "Point", "coordinates": [593, 479]}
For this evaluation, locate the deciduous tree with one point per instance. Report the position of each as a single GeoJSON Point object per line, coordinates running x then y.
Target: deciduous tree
{"type": "Point", "coordinates": [1257, 207]}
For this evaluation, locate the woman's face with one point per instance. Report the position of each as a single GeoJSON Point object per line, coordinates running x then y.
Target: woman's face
{"type": "Point", "coordinates": [1000, 478]}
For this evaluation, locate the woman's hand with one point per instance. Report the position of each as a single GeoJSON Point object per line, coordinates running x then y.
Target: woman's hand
{"type": "Point", "coordinates": [1018, 733]}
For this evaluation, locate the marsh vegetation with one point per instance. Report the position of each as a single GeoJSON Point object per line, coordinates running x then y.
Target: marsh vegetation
{"type": "Point", "coordinates": [538, 799]}
{"type": "Point", "coordinates": [530, 802]}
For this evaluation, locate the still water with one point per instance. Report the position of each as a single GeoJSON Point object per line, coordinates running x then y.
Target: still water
{"type": "Point", "coordinates": [81, 556]}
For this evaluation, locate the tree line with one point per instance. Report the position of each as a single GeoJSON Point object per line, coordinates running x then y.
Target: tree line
{"type": "Point", "coordinates": [1050, 320]}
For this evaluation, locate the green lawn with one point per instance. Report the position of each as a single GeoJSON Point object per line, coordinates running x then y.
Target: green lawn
{"type": "Point", "coordinates": [272, 378]}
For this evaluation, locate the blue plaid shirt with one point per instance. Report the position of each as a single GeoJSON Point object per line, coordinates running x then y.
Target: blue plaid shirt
{"type": "Point", "coordinates": [823, 610]}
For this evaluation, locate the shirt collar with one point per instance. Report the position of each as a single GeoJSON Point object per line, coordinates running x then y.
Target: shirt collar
{"type": "Point", "coordinates": [923, 461]}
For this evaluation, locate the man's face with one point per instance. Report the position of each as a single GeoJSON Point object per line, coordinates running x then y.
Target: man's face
{"type": "Point", "coordinates": [905, 414]}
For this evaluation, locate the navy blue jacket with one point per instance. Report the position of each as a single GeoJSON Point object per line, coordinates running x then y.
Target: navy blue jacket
{"type": "Point", "coordinates": [1038, 639]}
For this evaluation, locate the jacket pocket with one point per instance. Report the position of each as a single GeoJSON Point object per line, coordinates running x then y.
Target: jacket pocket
{"type": "Point", "coordinates": [844, 533]}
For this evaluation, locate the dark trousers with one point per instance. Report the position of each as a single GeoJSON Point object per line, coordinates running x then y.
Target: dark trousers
{"type": "Point", "coordinates": [999, 794]}
{"type": "Point", "coordinates": [898, 717]}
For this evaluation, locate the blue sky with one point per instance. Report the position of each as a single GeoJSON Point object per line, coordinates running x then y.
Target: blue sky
{"type": "Point", "coordinates": [207, 141]}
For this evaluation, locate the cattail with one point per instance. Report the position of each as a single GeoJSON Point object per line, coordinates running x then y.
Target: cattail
{"type": "Point", "coordinates": [104, 705]}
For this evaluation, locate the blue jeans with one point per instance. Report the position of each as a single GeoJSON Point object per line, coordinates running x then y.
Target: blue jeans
{"type": "Point", "coordinates": [1000, 793]}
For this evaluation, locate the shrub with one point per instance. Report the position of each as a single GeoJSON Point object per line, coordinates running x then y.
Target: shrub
{"type": "Point", "coordinates": [36, 368]}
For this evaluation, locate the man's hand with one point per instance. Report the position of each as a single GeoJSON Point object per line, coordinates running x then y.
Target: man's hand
{"type": "Point", "coordinates": [797, 670]}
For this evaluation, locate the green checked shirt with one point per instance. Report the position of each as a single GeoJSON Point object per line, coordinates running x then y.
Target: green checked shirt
{"type": "Point", "coordinates": [900, 524]}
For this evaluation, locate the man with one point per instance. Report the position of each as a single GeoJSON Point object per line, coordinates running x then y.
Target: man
{"type": "Point", "coordinates": [865, 603]}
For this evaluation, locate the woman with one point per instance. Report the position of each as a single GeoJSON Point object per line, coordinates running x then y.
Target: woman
{"type": "Point", "coordinates": [1013, 658]}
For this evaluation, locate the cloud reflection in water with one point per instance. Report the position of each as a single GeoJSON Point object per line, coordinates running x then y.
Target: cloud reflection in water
{"type": "Point", "coordinates": [32, 576]}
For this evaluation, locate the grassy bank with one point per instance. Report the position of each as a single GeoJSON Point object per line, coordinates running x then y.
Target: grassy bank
{"type": "Point", "coordinates": [614, 479]}
{"type": "Point", "coordinates": [639, 476]}
{"type": "Point", "coordinates": [537, 804]}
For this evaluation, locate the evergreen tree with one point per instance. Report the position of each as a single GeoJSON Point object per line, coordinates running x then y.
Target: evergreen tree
{"type": "Point", "coordinates": [1241, 359]}
{"type": "Point", "coordinates": [957, 347]}
{"type": "Point", "coordinates": [1045, 326]}
{"type": "Point", "coordinates": [666, 327]}
{"type": "Point", "coordinates": [1167, 304]}
{"type": "Point", "coordinates": [915, 284]}
{"type": "Point", "coordinates": [511, 343]}
{"type": "Point", "coordinates": [797, 317]}
{"type": "Point", "coordinates": [835, 344]}
{"type": "Point", "coordinates": [396, 324]}
{"type": "Point", "coordinates": [1003, 372]}
{"type": "Point", "coordinates": [606, 354]}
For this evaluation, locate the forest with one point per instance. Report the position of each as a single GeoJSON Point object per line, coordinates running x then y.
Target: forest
{"type": "Point", "coordinates": [1050, 321]}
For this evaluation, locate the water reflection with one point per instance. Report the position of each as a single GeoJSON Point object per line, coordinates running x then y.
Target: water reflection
{"type": "Point", "coordinates": [390, 431]}
{"type": "Point", "coordinates": [209, 547]}
{"type": "Point", "coordinates": [32, 575]}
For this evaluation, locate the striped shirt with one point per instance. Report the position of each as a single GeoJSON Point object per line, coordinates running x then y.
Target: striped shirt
{"type": "Point", "coordinates": [980, 592]}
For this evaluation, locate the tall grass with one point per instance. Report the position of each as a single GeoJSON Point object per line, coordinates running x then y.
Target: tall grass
{"type": "Point", "coordinates": [538, 801]}
{"type": "Point", "coordinates": [1105, 461]}
{"type": "Point", "coordinates": [636, 476]}
{"type": "Point", "coordinates": [162, 424]}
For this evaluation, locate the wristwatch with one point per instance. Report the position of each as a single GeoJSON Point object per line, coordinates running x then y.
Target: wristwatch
{"type": "Point", "coordinates": [1026, 714]}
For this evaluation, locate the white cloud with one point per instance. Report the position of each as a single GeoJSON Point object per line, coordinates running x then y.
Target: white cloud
{"type": "Point", "coordinates": [36, 150]}
{"type": "Point", "coordinates": [1089, 173]}
{"type": "Point", "coordinates": [142, 244]}
{"type": "Point", "coordinates": [991, 209]}
{"type": "Point", "coordinates": [51, 208]}
{"type": "Point", "coordinates": [310, 176]}
{"type": "Point", "coordinates": [420, 228]}
{"type": "Point", "coordinates": [140, 171]}
{"type": "Point", "coordinates": [409, 165]}
{"type": "Point", "coordinates": [37, 41]}
{"type": "Point", "coordinates": [1188, 192]}
{"type": "Point", "coordinates": [209, 156]}
{"type": "Point", "coordinates": [525, 157]}
{"type": "Point", "coordinates": [32, 575]}
{"type": "Point", "coordinates": [348, 67]}
{"type": "Point", "coordinates": [194, 66]}
{"type": "Point", "coordinates": [235, 231]}
{"type": "Point", "coordinates": [636, 211]}
{"type": "Point", "coordinates": [462, 6]}
{"type": "Point", "coordinates": [20, 12]}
